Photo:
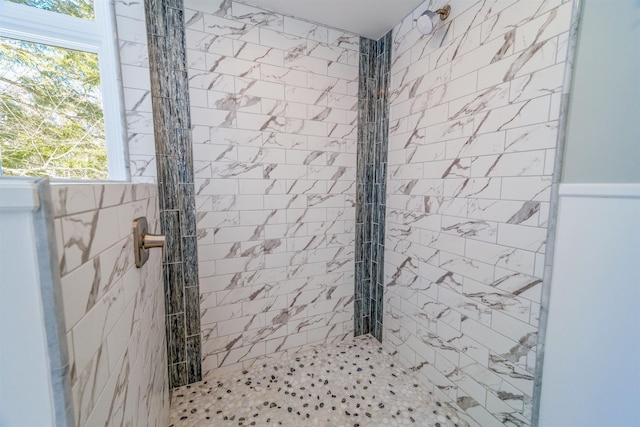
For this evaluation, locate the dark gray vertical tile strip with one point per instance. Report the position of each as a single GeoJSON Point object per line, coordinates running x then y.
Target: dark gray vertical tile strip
{"type": "Point", "coordinates": [360, 256]}
{"type": "Point", "coordinates": [373, 130]}
{"type": "Point", "coordinates": [382, 144]}
{"type": "Point", "coordinates": [176, 195]}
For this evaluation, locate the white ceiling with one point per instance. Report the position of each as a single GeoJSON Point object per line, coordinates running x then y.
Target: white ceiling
{"type": "Point", "coordinates": [368, 18]}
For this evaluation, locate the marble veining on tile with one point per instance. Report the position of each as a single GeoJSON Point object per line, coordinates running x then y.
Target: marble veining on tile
{"type": "Point", "coordinates": [136, 89]}
{"type": "Point", "coordinates": [474, 110]}
{"type": "Point", "coordinates": [113, 312]}
{"type": "Point", "coordinates": [355, 383]}
{"type": "Point", "coordinates": [274, 117]}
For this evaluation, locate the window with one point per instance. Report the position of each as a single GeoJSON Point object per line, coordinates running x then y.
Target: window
{"type": "Point", "coordinates": [78, 8]}
{"type": "Point", "coordinates": [60, 103]}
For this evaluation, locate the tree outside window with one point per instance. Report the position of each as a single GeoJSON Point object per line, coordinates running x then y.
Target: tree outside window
{"type": "Point", "coordinates": [52, 122]}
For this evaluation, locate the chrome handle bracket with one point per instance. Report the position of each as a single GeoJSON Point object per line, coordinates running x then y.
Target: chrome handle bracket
{"type": "Point", "coordinates": [143, 241]}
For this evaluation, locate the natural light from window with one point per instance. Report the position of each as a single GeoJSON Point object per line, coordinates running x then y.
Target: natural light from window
{"type": "Point", "coordinates": [51, 119]}
{"type": "Point", "coordinates": [77, 8]}
{"type": "Point", "coordinates": [60, 104]}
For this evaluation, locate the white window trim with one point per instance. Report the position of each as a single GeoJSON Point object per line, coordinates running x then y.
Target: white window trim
{"type": "Point", "coordinates": [42, 26]}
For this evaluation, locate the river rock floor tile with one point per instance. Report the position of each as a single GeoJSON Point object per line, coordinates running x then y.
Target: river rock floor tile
{"type": "Point", "coordinates": [355, 383]}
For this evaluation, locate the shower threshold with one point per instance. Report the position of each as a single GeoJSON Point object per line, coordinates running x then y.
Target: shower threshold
{"type": "Point", "coordinates": [354, 383]}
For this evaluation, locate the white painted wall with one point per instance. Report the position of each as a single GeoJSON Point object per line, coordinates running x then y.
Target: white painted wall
{"type": "Point", "coordinates": [591, 370]}
{"type": "Point", "coordinates": [25, 388]}
{"type": "Point", "coordinates": [603, 128]}
{"type": "Point", "coordinates": [591, 374]}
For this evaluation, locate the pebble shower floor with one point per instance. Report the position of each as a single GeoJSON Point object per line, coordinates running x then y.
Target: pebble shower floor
{"type": "Point", "coordinates": [355, 383]}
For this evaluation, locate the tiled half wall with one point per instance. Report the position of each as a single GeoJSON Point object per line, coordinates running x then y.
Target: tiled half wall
{"type": "Point", "coordinates": [113, 311]}
{"type": "Point", "coordinates": [474, 110]}
{"type": "Point", "coordinates": [373, 132]}
{"type": "Point", "coordinates": [273, 109]}
{"type": "Point", "coordinates": [172, 130]}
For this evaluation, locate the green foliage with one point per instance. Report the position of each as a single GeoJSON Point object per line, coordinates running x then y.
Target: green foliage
{"type": "Point", "coordinates": [77, 8]}
{"type": "Point", "coordinates": [51, 119]}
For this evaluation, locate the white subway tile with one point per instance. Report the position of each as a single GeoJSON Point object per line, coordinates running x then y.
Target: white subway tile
{"type": "Point", "coordinates": [211, 81]}
{"type": "Point", "coordinates": [260, 122]}
{"type": "Point", "coordinates": [342, 39]}
{"type": "Point", "coordinates": [512, 164]}
{"type": "Point", "coordinates": [513, 212]}
{"type": "Point", "coordinates": [513, 328]}
{"type": "Point", "coordinates": [539, 83]}
{"type": "Point", "coordinates": [229, 29]}
{"type": "Point", "coordinates": [536, 188]}
{"type": "Point", "coordinates": [232, 102]}
{"type": "Point", "coordinates": [275, 216]}
{"type": "Point", "coordinates": [305, 29]}
{"type": "Point", "coordinates": [255, 16]}
{"type": "Point", "coordinates": [284, 75]}
{"type": "Point", "coordinates": [279, 40]}
{"type": "Point", "coordinates": [207, 42]}
{"type": "Point", "coordinates": [342, 71]}
{"type": "Point", "coordinates": [544, 27]}
{"type": "Point", "coordinates": [258, 53]}
{"type": "Point", "coordinates": [305, 96]}
{"type": "Point", "coordinates": [517, 65]}
{"type": "Point", "coordinates": [523, 237]}
{"type": "Point", "coordinates": [236, 234]}
{"type": "Point", "coordinates": [486, 53]}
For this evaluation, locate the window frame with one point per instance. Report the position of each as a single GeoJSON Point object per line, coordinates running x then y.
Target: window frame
{"type": "Point", "coordinates": [97, 36]}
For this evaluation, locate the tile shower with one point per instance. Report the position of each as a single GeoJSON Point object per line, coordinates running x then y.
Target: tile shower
{"type": "Point", "coordinates": [474, 116]}
{"type": "Point", "coordinates": [276, 137]}
{"type": "Point", "coordinates": [274, 119]}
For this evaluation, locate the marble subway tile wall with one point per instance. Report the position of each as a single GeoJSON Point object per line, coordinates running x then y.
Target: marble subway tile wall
{"type": "Point", "coordinates": [136, 88]}
{"type": "Point", "coordinates": [174, 159]}
{"type": "Point", "coordinates": [113, 311]}
{"type": "Point", "coordinates": [474, 111]}
{"type": "Point", "coordinates": [373, 139]}
{"type": "Point", "coordinates": [274, 117]}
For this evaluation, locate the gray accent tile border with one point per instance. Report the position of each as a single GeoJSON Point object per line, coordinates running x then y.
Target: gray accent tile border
{"type": "Point", "coordinates": [373, 139]}
{"type": "Point", "coordinates": [172, 128]}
